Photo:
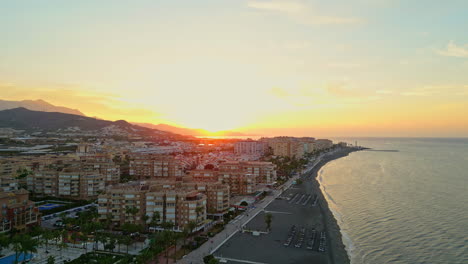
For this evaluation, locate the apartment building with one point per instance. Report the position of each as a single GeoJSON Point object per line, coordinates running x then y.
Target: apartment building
{"type": "Point", "coordinates": [296, 147]}
{"type": "Point", "coordinates": [217, 193]}
{"type": "Point", "coordinates": [323, 144]}
{"type": "Point", "coordinates": [240, 183]}
{"type": "Point", "coordinates": [43, 182]}
{"type": "Point", "coordinates": [178, 206]}
{"type": "Point", "coordinates": [104, 165]}
{"type": "Point", "coordinates": [250, 147]}
{"type": "Point", "coordinates": [175, 201]}
{"type": "Point", "coordinates": [116, 202]}
{"type": "Point", "coordinates": [77, 184]}
{"type": "Point", "coordinates": [203, 175]}
{"type": "Point", "coordinates": [263, 172]}
{"type": "Point", "coordinates": [17, 211]}
{"type": "Point", "coordinates": [151, 166]}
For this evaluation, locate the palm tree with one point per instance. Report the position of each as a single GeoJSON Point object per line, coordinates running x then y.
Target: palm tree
{"type": "Point", "coordinates": [29, 245]}
{"type": "Point", "coordinates": [167, 241]}
{"type": "Point", "coordinates": [185, 234]}
{"type": "Point", "coordinates": [16, 245]}
{"type": "Point", "coordinates": [51, 260]}
{"type": "Point", "coordinates": [83, 237]}
{"type": "Point", "coordinates": [46, 236]}
{"type": "Point", "coordinates": [132, 210]}
{"type": "Point", "coordinates": [191, 226]}
{"type": "Point", "coordinates": [268, 219]}
{"type": "Point", "coordinates": [145, 219]}
{"type": "Point", "coordinates": [62, 246]}
{"type": "Point", "coordinates": [4, 241]}
{"type": "Point", "coordinates": [127, 241]}
{"type": "Point", "coordinates": [199, 210]}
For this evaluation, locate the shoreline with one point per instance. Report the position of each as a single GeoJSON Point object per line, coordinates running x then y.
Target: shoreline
{"type": "Point", "coordinates": [236, 246]}
{"type": "Point", "coordinates": [337, 250]}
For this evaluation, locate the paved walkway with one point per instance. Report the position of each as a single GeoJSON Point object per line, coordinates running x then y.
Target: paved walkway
{"type": "Point", "coordinates": [230, 230]}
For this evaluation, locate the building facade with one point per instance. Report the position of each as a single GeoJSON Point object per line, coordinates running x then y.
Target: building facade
{"type": "Point", "coordinates": [151, 166]}
{"type": "Point", "coordinates": [17, 211]}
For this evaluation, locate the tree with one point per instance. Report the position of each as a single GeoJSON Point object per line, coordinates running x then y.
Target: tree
{"type": "Point", "coordinates": [210, 259]}
{"type": "Point", "coordinates": [62, 246]}
{"type": "Point", "coordinates": [51, 260]}
{"type": "Point", "coordinates": [16, 245]}
{"type": "Point", "coordinates": [199, 210]}
{"type": "Point", "coordinates": [127, 241]}
{"type": "Point", "coordinates": [132, 210]}
{"type": "Point", "coordinates": [191, 226]}
{"type": "Point", "coordinates": [155, 219]}
{"type": "Point", "coordinates": [46, 236]}
{"type": "Point", "coordinates": [167, 239]}
{"type": "Point", "coordinates": [213, 261]}
{"type": "Point", "coordinates": [83, 237]}
{"type": "Point", "coordinates": [110, 244]}
{"type": "Point", "coordinates": [268, 219]}
{"type": "Point", "coordinates": [4, 241]}
{"type": "Point", "coordinates": [175, 239]}
{"type": "Point", "coordinates": [74, 237]}
{"type": "Point", "coordinates": [145, 219]}
{"type": "Point", "coordinates": [185, 234]}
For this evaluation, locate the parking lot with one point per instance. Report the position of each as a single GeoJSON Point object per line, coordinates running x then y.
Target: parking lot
{"type": "Point", "coordinates": [295, 207]}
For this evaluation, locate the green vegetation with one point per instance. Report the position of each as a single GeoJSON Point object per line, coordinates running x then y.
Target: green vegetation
{"type": "Point", "coordinates": [268, 219]}
{"type": "Point", "coordinates": [210, 259]}
{"type": "Point", "coordinates": [101, 259]}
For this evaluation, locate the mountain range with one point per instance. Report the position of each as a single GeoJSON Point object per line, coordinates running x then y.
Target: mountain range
{"type": "Point", "coordinates": [38, 105]}
{"type": "Point", "coordinates": [41, 105]}
{"type": "Point", "coordinates": [28, 120]}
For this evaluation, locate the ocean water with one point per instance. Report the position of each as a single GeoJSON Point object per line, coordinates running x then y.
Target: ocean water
{"type": "Point", "coordinates": [409, 206]}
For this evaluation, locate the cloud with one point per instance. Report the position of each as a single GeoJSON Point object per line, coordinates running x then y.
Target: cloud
{"type": "Point", "coordinates": [342, 89]}
{"type": "Point", "coordinates": [452, 50]}
{"type": "Point", "coordinates": [343, 65]}
{"type": "Point", "coordinates": [384, 92]}
{"type": "Point", "coordinates": [300, 12]}
{"type": "Point", "coordinates": [279, 92]}
{"type": "Point", "coordinates": [438, 90]}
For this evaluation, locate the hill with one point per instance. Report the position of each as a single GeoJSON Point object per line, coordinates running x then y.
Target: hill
{"type": "Point", "coordinates": [28, 120]}
{"type": "Point", "coordinates": [38, 105]}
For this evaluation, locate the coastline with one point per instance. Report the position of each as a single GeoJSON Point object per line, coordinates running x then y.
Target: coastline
{"type": "Point", "coordinates": [338, 253]}
{"type": "Point", "coordinates": [238, 244]}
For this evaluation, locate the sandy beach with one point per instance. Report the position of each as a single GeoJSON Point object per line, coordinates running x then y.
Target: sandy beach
{"type": "Point", "coordinates": [337, 249]}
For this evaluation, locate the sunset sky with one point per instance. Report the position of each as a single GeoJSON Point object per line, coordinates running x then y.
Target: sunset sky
{"type": "Point", "coordinates": [316, 68]}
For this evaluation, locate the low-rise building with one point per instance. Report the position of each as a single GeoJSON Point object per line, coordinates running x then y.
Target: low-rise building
{"type": "Point", "coordinates": [17, 211]}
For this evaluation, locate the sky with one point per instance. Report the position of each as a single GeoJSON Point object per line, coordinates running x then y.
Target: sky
{"type": "Point", "coordinates": [266, 67]}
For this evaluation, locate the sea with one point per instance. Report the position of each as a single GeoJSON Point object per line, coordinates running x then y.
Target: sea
{"type": "Point", "coordinates": [405, 201]}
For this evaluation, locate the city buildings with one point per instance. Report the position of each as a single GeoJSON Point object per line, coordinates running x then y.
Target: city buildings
{"type": "Point", "coordinates": [250, 147]}
{"type": "Point", "coordinates": [296, 147]}
{"type": "Point", "coordinates": [151, 166]}
{"type": "Point", "coordinates": [173, 201]}
{"type": "Point", "coordinates": [263, 172]}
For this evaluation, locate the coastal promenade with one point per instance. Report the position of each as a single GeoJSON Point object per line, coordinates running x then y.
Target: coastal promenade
{"type": "Point", "coordinates": [254, 217]}
{"type": "Point", "coordinates": [231, 229]}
